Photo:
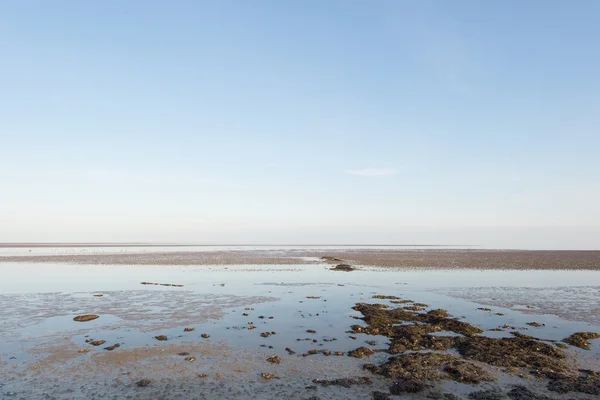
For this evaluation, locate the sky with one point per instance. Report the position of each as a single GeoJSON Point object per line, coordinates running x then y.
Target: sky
{"type": "Point", "coordinates": [313, 122]}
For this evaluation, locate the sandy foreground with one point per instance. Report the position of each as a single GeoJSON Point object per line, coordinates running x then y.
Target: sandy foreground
{"type": "Point", "coordinates": [434, 259]}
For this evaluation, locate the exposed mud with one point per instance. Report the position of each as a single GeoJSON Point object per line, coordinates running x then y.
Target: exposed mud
{"type": "Point", "coordinates": [430, 259]}
{"type": "Point", "coordinates": [344, 382]}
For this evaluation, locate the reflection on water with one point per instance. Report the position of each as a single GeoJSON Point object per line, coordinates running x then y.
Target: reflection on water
{"type": "Point", "coordinates": [307, 307]}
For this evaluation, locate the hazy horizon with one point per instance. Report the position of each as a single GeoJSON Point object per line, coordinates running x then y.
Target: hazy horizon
{"type": "Point", "coordinates": [301, 122]}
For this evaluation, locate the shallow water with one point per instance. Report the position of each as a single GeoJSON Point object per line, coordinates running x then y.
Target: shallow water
{"type": "Point", "coordinates": [39, 339]}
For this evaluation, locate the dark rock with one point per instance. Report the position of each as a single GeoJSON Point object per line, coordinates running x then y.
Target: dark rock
{"type": "Point", "coordinates": [161, 337]}
{"type": "Point", "coordinates": [111, 348]}
{"type": "Point", "coordinates": [143, 383]}
{"type": "Point", "coordinates": [205, 335]}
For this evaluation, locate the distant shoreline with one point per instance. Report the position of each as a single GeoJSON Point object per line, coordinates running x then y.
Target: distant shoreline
{"type": "Point", "coordinates": [384, 257]}
{"type": "Point", "coordinates": [135, 244]}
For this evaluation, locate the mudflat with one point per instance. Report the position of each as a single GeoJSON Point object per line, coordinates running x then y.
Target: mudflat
{"type": "Point", "coordinates": [325, 326]}
{"type": "Point", "coordinates": [422, 259]}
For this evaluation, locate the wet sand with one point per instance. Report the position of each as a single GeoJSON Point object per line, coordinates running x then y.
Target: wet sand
{"type": "Point", "coordinates": [243, 315]}
{"type": "Point", "coordinates": [423, 259]}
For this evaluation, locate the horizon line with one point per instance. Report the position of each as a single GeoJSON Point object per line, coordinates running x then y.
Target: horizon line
{"type": "Point", "coordinates": [155, 244]}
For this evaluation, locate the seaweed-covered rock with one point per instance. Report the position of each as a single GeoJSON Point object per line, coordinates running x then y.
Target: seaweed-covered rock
{"type": "Point", "coordinates": [466, 372]}
{"type": "Point", "coordinates": [535, 324]}
{"type": "Point", "coordinates": [360, 352]}
{"type": "Point", "coordinates": [587, 382]}
{"type": "Point", "coordinates": [86, 317]}
{"type": "Point", "coordinates": [521, 392]}
{"type": "Point", "coordinates": [401, 301]}
{"type": "Point", "coordinates": [544, 359]}
{"type": "Point", "coordinates": [274, 359]}
{"type": "Point", "coordinates": [416, 337]}
{"type": "Point", "coordinates": [402, 386]}
{"type": "Point", "coordinates": [423, 367]}
{"type": "Point", "coordinates": [342, 267]}
{"type": "Point", "coordinates": [581, 339]}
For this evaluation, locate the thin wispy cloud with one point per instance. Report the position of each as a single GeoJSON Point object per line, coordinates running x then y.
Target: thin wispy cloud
{"type": "Point", "coordinates": [372, 172]}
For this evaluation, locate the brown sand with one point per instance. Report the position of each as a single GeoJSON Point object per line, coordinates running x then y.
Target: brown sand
{"type": "Point", "coordinates": [434, 259]}
{"type": "Point", "coordinates": [475, 259]}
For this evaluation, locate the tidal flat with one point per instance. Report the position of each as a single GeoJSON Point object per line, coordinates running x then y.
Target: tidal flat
{"type": "Point", "coordinates": [287, 322]}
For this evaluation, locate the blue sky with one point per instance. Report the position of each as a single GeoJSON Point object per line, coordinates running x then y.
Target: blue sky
{"type": "Point", "coordinates": [301, 122]}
